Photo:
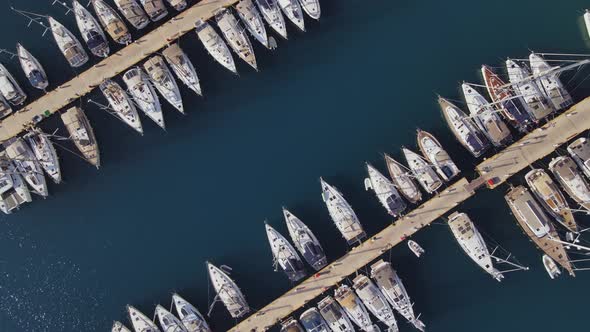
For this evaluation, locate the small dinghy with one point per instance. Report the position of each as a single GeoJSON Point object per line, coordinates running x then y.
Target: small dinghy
{"type": "Point", "coordinates": [415, 247]}
{"type": "Point", "coordinates": [551, 267]}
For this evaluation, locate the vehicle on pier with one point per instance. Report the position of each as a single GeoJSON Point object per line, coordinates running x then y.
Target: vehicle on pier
{"type": "Point", "coordinates": [551, 84]}
{"type": "Point", "coordinates": [228, 292]}
{"type": "Point", "coordinates": [354, 308]}
{"type": "Point", "coordinates": [215, 45]}
{"type": "Point", "coordinates": [32, 68]}
{"type": "Point", "coordinates": [271, 12]}
{"type": "Point", "coordinates": [144, 95]}
{"type": "Point", "coordinates": [568, 175]}
{"type": "Point", "coordinates": [292, 10]}
{"type": "Point", "coordinates": [236, 36]}
{"type": "Point", "coordinates": [305, 241]}
{"type": "Point", "coordinates": [182, 67]}
{"type": "Point", "coordinates": [284, 255]}
{"type": "Point", "coordinates": [121, 105]}
{"type": "Point", "coordinates": [155, 9]}
{"type": "Point", "coordinates": [140, 322]}
{"type": "Point", "coordinates": [133, 13]}
{"type": "Point", "coordinates": [375, 301]}
{"type": "Point", "coordinates": [423, 171]}
{"type": "Point", "coordinates": [550, 266]}
{"type": "Point", "coordinates": [464, 129]}
{"type": "Point", "coordinates": [291, 325]}
{"type": "Point", "coordinates": [112, 22]}
{"type": "Point", "coordinates": [531, 93]}
{"type": "Point", "coordinates": [162, 79]}
{"type": "Point", "coordinates": [342, 214]}
{"type": "Point", "coordinates": [68, 44]}
{"type": "Point", "coordinates": [191, 318]}
{"type": "Point", "coordinates": [334, 315]}
{"type": "Point", "coordinates": [9, 88]}
{"type": "Point", "coordinates": [252, 20]}
{"type": "Point", "coordinates": [168, 321]}
{"type": "Point", "coordinates": [178, 5]}
{"type": "Point", "coordinates": [119, 327]}
{"type": "Point", "coordinates": [579, 150]}
{"type": "Point", "coordinates": [91, 31]}
{"type": "Point", "coordinates": [385, 191]}
{"type": "Point", "coordinates": [312, 321]}
{"type": "Point", "coordinates": [81, 134]}
{"type": "Point", "coordinates": [45, 153]}
{"type": "Point", "coordinates": [433, 151]}
{"type": "Point", "coordinates": [486, 118]}
{"type": "Point", "coordinates": [13, 189]}
{"type": "Point", "coordinates": [402, 179]}
{"type": "Point", "coordinates": [27, 165]}
{"type": "Point", "coordinates": [311, 8]}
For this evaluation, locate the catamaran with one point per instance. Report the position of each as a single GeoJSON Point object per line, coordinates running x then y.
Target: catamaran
{"type": "Point", "coordinates": [284, 255]}
{"type": "Point", "coordinates": [579, 150]}
{"type": "Point", "coordinates": [91, 31]}
{"type": "Point", "coordinates": [121, 105]}
{"type": "Point", "coordinates": [81, 134]}
{"type": "Point", "coordinates": [228, 292]}
{"type": "Point", "coordinates": [13, 189]}
{"type": "Point", "coordinates": [354, 308]}
{"type": "Point", "coordinates": [568, 175]}
{"type": "Point", "coordinates": [236, 36]}
{"type": "Point", "coordinates": [9, 88]}
{"type": "Point", "coordinates": [162, 79]}
{"type": "Point", "coordinates": [68, 44]}
{"type": "Point", "coordinates": [342, 214]}
{"type": "Point", "coordinates": [488, 121]}
{"type": "Point", "coordinates": [551, 84]}
{"type": "Point", "coordinates": [168, 321]}
{"type": "Point", "coordinates": [253, 21]}
{"type": "Point", "coordinates": [311, 8]}
{"type": "Point", "coordinates": [305, 241]}
{"type": "Point", "coordinates": [534, 99]}
{"type": "Point", "coordinates": [334, 315]}
{"type": "Point", "coordinates": [140, 322]}
{"type": "Point", "coordinates": [433, 151]}
{"type": "Point", "coordinates": [386, 193]}
{"type": "Point", "coordinates": [182, 67]}
{"type": "Point", "coordinates": [375, 301]}
{"type": "Point", "coordinates": [291, 325]}
{"type": "Point", "coordinates": [464, 129]}
{"type": "Point", "coordinates": [312, 321]}
{"type": "Point", "coordinates": [112, 22]}
{"type": "Point", "coordinates": [45, 153]}
{"type": "Point", "coordinates": [393, 290]}
{"type": "Point", "coordinates": [215, 45]}
{"type": "Point", "coordinates": [271, 12]}
{"type": "Point", "coordinates": [155, 9]}
{"type": "Point", "coordinates": [402, 179]}
{"type": "Point", "coordinates": [144, 95]}
{"type": "Point", "coordinates": [191, 318]}
{"type": "Point", "coordinates": [119, 327]}
{"type": "Point", "coordinates": [292, 9]}
{"type": "Point", "coordinates": [178, 5]}
{"type": "Point", "coordinates": [423, 171]}
{"type": "Point", "coordinates": [27, 165]}
{"type": "Point", "coordinates": [133, 13]}
{"type": "Point", "coordinates": [32, 68]}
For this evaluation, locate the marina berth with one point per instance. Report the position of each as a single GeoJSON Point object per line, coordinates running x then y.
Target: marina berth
{"type": "Point", "coordinates": [81, 134]}
{"type": "Point", "coordinates": [311, 8]}
{"type": "Point", "coordinates": [393, 290]}
{"type": "Point", "coordinates": [537, 226]}
{"type": "Point", "coordinates": [567, 174]}
{"type": "Point", "coordinates": [402, 180]}
{"type": "Point", "coordinates": [312, 321]}
{"type": "Point", "coordinates": [27, 165]}
{"type": "Point", "coordinates": [140, 322]}
{"type": "Point", "coordinates": [579, 150]}
{"type": "Point", "coordinates": [155, 9]}
{"type": "Point", "coordinates": [45, 153]}
{"type": "Point", "coordinates": [433, 151]}
{"type": "Point", "coordinates": [423, 171]}
{"type": "Point", "coordinates": [551, 84]}
{"type": "Point", "coordinates": [182, 67]}
{"type": "Point", "coordinates": [168, 321]}
{"type": "Point", "coordinates": [32, 68]}
{"type": "Point", "coordinates": [531, 93]}
{"type": "Point", "coordinates": [472, 243]}
{"type": "Point", "coordinates": [5, 109]}
{"type": "Point", "coordinates": [375, 301]}
{"type": "Point", "coordinates": [293, 12]}
{"type": "Point", "coordinates": [548, 193]}
{"type": "Point", "coordinates": [236, 36]}
{"type": "Point", "coordinates": [305, 241]}
{"type": "Point", "coordinates": [464, 129]}
{"type": "Point", "coordinates": [68, 44]}
{"type": "Point", "coordinates": [284, 255]}
{"type": "Point", "coordinates": [121, 105]}
{"type": "Point", "coordinates": [252, 20]}
{"type": "Point", "coordinates": [162, 79]}
{"type": "Point", "coordinates": [9, 88]}
{"type": "Point", "coordinates": [91, 31]}
{"type": "Point", "coordinates": [191, 318]}
{"type": "Point", "coordinates": [119, 327]}
{"type": "Point", "coordinates": [215, 45]}
{"type": "Point", "coordinates": [178, 5]}
{"type": "Point", "coordinates": [485, 117]}
{"type": "Point", "coordinates": [111, 22]}
{"type": "Point", "coordinates": [133, 13]}
{"type": "Point", "coordinates": [271, 12]}
{"type": "Point", "coordinates": [342, 214]}
{"type": "Point", "coordinates": [291, 325]}
{"type": "Point", "coordinates": [334, 315]}
{"type": "Point", "coordinates": [228, 292]}
{"type": "Point", "coordinates": [144, 95]}
{"type": "Point", "coordinates": [354, 308]}
{"type": "Point", "coordinates": [386, 192]}
{"type": "Point", "coordinates": [13, 189]}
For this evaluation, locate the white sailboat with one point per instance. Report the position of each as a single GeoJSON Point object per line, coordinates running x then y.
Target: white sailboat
{"type": "Point", "coordinates": [436, 155]}
{"type": "Point", "coordinates": [334, 315]}
{"type": "Point", "coordinates": [386, 193]}
{"type": "Point", "coordinates": [155, 9]}
{"type": "Point", "coordinates": [68, 44]}
{"type": "Point", "coordinates": [144, 95]}
{"type": "Point", "coordinates": [182, 67]}
{"type": "Point", "coordinates": [121, 105]}
{"type": "Point", "coordinates": [140, 322]}
{"type": "Point", "coordinates": [27, 165]}
{"type": "Point", "coordinates": [32, 68]}
{"type": "Point", "coordinates": [91, 31]}
{"type": "Point", "coordinates": [402, 180]}
{"type": "Point", "coordinates": [305, 241]}
{"type": "Point", "coordinates": [191, 318]}
{"type": "Point", "coordinates": [133, 13]}
{"type": "Point", "coordinates": [9, 88]}
{"type": "Point", "coordinates": [119, 327]}
{"type": "Point", "coordinates": [228, 292]}
{"type": "Point", "coordinates": [375, 301]}
{"type": "Point", "coordinates": [45, 153]}
{"type": "Point", "coordinates": [423, 171]}
{"type": "Point", "coordinates": [271, 12]}
{"type": "Point", "coordinates": [253, 21]}
{"type": "Point", "coordinates": [284, 255]}
{"type": "Point", "coordinates": [112, 22]}
{"type": "Point", "coordinates": [236, 37]}
{"type": "Point", "coordinates": [168, 321]}
{"type": "Point", "coordinates": [292, 10]}
{"type": "Point", "coordinates": [342, 214]}
{"type": "Point", "coordinates": [215, 45]}
{"type": "Point", "coordinates": [311, 8]}
{"type": "Point", "coordinates": [464, 128]}
{"type": "Point", "coordinates": [162, 79]}
{"type": "Point", "coordinates": [354, 308]}
{"type": "Point", "coordinates": [13, 189]}
{"type": "Point", "coordinates": [551, 84]}
{"type": "Point", "coordinates": [532, 95]}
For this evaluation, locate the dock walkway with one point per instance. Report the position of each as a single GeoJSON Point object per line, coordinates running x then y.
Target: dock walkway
{"type": "Point", "coordinates": [110, 67]}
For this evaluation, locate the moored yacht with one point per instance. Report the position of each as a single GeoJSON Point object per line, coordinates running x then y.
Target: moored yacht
{"type": "Point", "coordinates": [402, 179]}
{"type": "Point", "coordinates": [119, 327]}
{"type": "Point", "coordinates": [551, 84]}
{"type": "Point", "coordinates": [68, 44]}
{"type": "Point", "coordinates": [133, 13]}
{"type": "Point", "coordinates": [386, 193]}
{"type": "Point", "coordinates": [168, 321]}
{"type": "Point", "coordinates": [228, 292]}
{"type": "Point", "coordinates": [140, 322]}
{"type": "Point", "coordinates": [579, 150]}
{"type": "Point", "coordinates": [9, 88]}
{"type": "Point", "coordinates": [162, 79]}
{"type": "Point", "coordinates": [236, 36]}
{"type": "Point", "coordinates": [215, 45]}
{"type": "Point", "coordinates": [354, 308]}
{"type": "Point", "coordinates": [334, 315]}
{"type": "Point", "coordinates": [473, 243]}
{"type": "Point", "coordinates": [112, 22]}
{"type": "Point", "coordinates": [5, 109]}
{"type": "Point", "coordinates": [284, 255]}
{"type": "Point", "coordinates": [436, 155]}
{"type": "Point", "coordinates": [568, 175]}
{"type": "Point", "coordinates": [423, 171]}
{"type": "Point", "coordinates": [271, 12]}
{"type": "Point", "coordinates": [178, 5]}
{"type": "Point", "coordinates": [81, 134]}
{"type": "Point", "coordinates": [253, 21]}
{"type": "Point", "coordinates": [45, 153]}
{"type": "Point", "coordinates": [375, 301]}
{"type": "Point", "coordinates": [121, 105]}
{"type": "Point", "coordinates": [311, 8]}
{"type": "Point", "coordinates": [393, 290]}
{"type": "Point", "coordinates": [488, 121]}
{"type": "Point", "coordinates": [144, 95]}
{"type": "Point", "coordinates": [13, 189]}
{"type": "Point", "coordinates": [182, 67]}
{"type": "Point", "coordinates": [27, 165]}
{"type": "Point", "coordinates": [312, 321]}
{"type": "Point", "coordinates": [534, 99]}
{"type": "Point", "coordinates": [155, 9]}
{"type": "Point", "coordinates": [305, 241]}
{"type": "Point", "coordinates": [293, 12]}
{"type": "Point", "coordinates": [536, 225]}
{"type": "Point", "coordinates": [191, 318]}
{"type": "Point", "coordinates": [342, 214]}
{"type": "Point", "coordinates": [32, 68]}
{"type": "Point", "coordinates": [464, 129]}
{"type": "Point", "coordinates": [548, 193]}
{"type": "Point", "coordinates": [91, 31]}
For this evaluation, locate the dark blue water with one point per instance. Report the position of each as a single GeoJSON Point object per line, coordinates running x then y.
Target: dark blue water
{"type": "Point", "coordinates": [357, 84]}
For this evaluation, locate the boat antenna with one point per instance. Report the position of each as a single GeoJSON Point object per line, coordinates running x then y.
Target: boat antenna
{"type": "Point", "coordinates": [33, 17]}
{"type": "Point", "coordinates": [63, 4]}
